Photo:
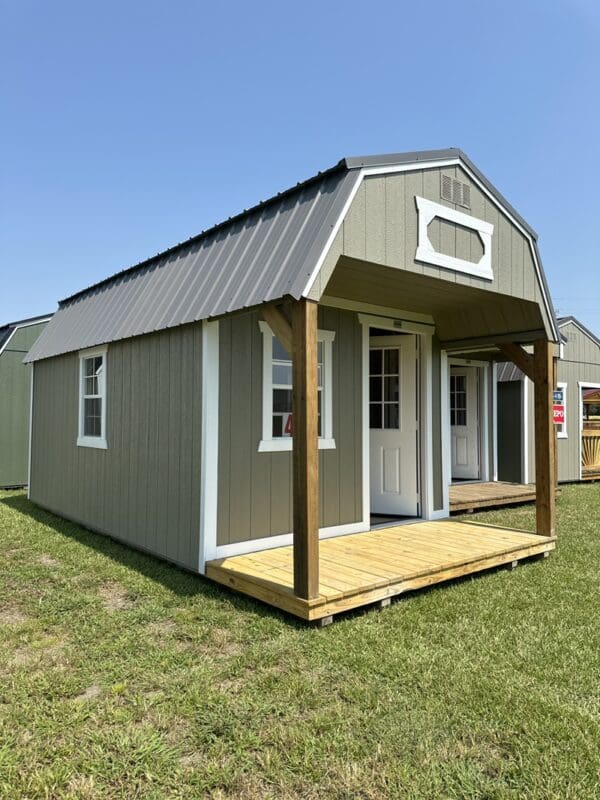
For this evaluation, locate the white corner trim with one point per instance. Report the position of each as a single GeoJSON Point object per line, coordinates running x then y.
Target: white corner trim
{"type": "Point", "coordinates": [427, 212]}
{"type": "Point", "coordinates": [494, 421]}
{"type": "Point", "coordinates": [525, 430]}
{"type": "Point", "coordinates": [366, 444]}
{"type": "Point", "coordinates": [446, 431]}
{"type": "Point", "coordinates": [283, 540]}
{"type": "Point", "coordinates": [31, 366]}
{"type": "Point", "coordinates": [209, 458]}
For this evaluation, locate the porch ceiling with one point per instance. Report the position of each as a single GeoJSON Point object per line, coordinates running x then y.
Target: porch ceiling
{"type": "Point", "coordinates": [462, 313]}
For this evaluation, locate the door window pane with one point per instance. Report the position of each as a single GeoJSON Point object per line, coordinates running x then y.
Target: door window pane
{"type": "Point", "coordinates": [384, 388]}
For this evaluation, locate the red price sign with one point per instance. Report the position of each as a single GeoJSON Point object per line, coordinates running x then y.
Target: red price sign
{"type": "Point", "coordinates": [559, 414]}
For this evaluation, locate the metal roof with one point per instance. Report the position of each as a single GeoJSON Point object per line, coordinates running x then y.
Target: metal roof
{"type": "Point", "coordinates": [263, 254]}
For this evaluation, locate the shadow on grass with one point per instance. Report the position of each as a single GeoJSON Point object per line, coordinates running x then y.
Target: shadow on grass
{"type": "Point", "coordinates": [174, 578]}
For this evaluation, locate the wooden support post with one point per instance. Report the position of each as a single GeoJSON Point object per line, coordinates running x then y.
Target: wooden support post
{"type": "Point", "coordinates": [545, 449]}
{"type": "Point", "coordinates": [516, 354]}
{"type": "Point", "coordinates": [306, 449]}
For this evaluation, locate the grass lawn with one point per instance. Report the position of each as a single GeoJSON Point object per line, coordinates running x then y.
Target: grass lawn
{"type": "Point", "coordinates": [124, 677]}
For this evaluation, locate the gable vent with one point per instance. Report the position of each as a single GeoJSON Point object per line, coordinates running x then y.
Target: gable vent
{"type": "Point", "coordinates": [455, 191]}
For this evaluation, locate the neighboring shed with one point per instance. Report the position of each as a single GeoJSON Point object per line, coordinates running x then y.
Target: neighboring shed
{"type": "Point", "coordinates": [16, 338]}
{"type": "Point", "coordinates": [282, 379]}
{"type": "Point", "coordinates": [577, 374]}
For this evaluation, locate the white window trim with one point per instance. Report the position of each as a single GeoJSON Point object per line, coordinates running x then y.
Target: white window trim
{"type": "Point", "coordinates": [98, 442]}
{"type": "Point", "coordinates": [427, 212]}
{"type": "Point", "coordinates": [564, 433]}
{"type": "Point", "coordinates": [270, 445]}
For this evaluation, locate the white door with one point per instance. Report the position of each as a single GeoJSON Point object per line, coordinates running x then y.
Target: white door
{"type": "Point", "coordinates": [464, 422]}
{"type": "Point", "coordinates": [393, 425]}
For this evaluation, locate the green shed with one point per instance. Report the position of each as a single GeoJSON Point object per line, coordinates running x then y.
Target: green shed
{"type": "Point", "coordinates": [16, 338]}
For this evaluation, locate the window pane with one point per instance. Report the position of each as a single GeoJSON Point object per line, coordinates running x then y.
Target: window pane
{"type": "Point", "coordinates": [282, 400]}
{"type": "Point", "coordinates": [277, 425]}
{"type": "Point", "coordinates": [375, 415]}
{"type": "Point", "coordinates": [392, 388]}
{"type": "Point", "coordinates": [92, 417]}
{"type": "Point", "coordinates": [282, 374]}
{"type": "Point", "coordinates": [391, 415]}
{"type": "Point", "coordinates": [279, 351]}
{"type": "Point", "coordinates": [91, 385]}
{"type": "Point", "coordinates": [375, 362]}
{"type": "Point", "coordinates": [391, 362]}
{"type": "Point", "coordinates": [461, 417]}
{"type": "Point", "coordinates": [375, 389]}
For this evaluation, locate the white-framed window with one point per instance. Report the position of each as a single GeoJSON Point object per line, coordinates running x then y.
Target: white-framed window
{"type": "Point", "coordinates": [277, 392]}
{"type": "Point", "coordinates": [92, 398]}
{"type": "Point", "coordinates": [561, 430]}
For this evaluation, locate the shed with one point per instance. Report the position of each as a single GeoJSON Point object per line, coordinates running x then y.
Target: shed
{"type": "Point", "coordinates": [268, 403]}
{"type": "Point", "coordinates": [15, 388]}
{"type": "Point", "coordinates": [578, 383]}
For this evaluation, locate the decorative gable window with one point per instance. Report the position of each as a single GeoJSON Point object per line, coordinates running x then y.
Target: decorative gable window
{"type": "Point", "coordinates": [278, 423]}
{"type": "Point", "coordinates": [92, 398]}
{"type": "Point", "coordinates": [428, 211]}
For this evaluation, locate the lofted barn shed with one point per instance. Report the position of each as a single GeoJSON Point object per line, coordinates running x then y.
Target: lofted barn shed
{"type": "Point", "coordinates": [269, 404]}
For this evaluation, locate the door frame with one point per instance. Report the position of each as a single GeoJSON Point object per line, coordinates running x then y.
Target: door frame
{"type": "Point", "coordinates": [485, 409]}
{"type": "Point", "coordinates": [395, 340]}
{"type": "Point", "coordinates": [425, 391]}
{"type": "Point", "coordinates": [581, 385]}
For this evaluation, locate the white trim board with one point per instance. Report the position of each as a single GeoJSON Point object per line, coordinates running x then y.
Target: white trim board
{"type": "Point", "coordinates": [427, 211]}
{"type": "Point", "coordinates": [30, 431]}
{"type": "Point", "coordinates": [281, 540]}
{"type": "Point", "coordinates": [97, 442]}
{"type": "Point", "coordinates": [582, 385]}
{"type": "Point", "coordinates": [209, 460]}
{"type": "Point", "coordinates": [417, 167]}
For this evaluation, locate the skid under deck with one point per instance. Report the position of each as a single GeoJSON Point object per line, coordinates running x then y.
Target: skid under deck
{"type": "Point", "coordinates": [363, 568]}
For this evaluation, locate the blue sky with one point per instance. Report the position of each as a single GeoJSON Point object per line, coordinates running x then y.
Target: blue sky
{"type": "Point", "coordinates": [129, 126]}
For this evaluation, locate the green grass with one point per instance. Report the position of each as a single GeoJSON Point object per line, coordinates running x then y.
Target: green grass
{"type": "Point", "coordinates": [124, 677]}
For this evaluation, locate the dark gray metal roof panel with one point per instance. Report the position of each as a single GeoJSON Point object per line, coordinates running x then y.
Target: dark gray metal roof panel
{"type": "Point", "coordinates": [264, 254]}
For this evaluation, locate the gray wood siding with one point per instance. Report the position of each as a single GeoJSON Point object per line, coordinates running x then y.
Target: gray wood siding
{"type": "Point", "coordinates": [255, 489]}
{"type": "Point", "coordinates": [381, 227]}
{"type": "Point", "coordinates": [15, 387]}
{"type": "Point", "coordinates": [145, 488]}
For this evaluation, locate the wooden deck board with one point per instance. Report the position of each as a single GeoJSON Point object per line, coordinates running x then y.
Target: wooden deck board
{"type": "Point", "coordinates": [362, 568]}
{"type": "Point", "coordinates": [469, 496]}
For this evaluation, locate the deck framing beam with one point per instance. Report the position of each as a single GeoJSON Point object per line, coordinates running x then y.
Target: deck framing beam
{"type": "Point", "coordinates": [305, 450]}
{"type": "Point", "coordinates": [545, 437]}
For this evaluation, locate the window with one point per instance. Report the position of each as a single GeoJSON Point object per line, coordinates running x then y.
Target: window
{"type": "Point", "coordinates": [384, 388]}
{"type": "Point", "coordinates": [458, 400]}
{"type": "Point", "coordinates": [561, 430]}
{"type": "Point", "coordinates": [92, 399]}
{"type": "Point", "coordinates": [277, 392]}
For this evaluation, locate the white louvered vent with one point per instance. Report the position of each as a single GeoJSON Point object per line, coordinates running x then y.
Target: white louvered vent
{"type": "Point", "coordinates": [455, 191]}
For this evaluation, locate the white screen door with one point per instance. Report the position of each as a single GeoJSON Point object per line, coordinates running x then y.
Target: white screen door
{"type": "Point", "coordinates": [393, 425]}
{"type": "Point", "coordinates": [464, 423]}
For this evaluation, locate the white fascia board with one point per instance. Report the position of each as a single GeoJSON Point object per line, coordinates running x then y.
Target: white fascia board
{"type": "Point", "coordinates": [418, 166]}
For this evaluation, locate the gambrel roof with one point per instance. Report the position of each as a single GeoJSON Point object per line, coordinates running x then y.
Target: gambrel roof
{"type": "Point", "coordinates": [563, 321]}
{"type": "Point", "coordinates": [268, 252]}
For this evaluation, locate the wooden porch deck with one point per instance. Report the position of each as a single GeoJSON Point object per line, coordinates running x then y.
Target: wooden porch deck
{"type": "Point", "coordinates": [469, 496]}
{"type": "Point", "coordinates": [364, 568]}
